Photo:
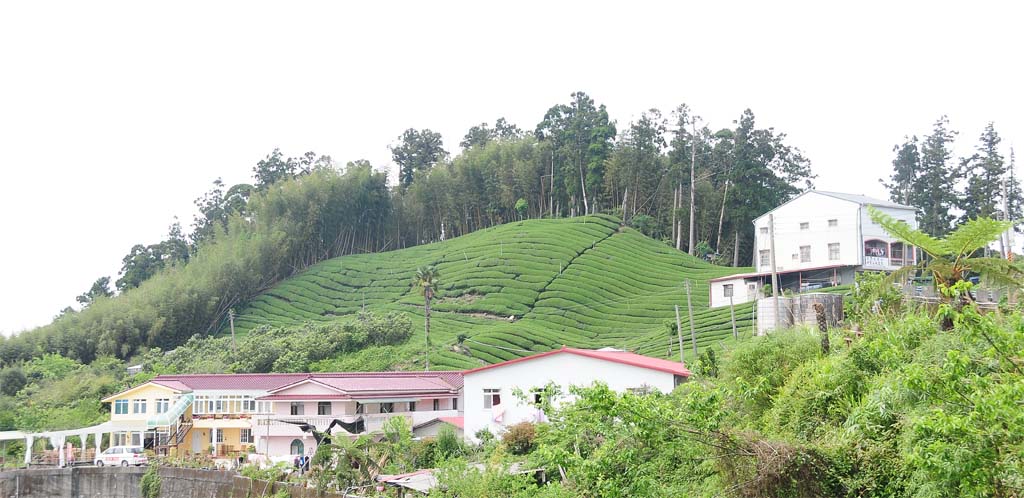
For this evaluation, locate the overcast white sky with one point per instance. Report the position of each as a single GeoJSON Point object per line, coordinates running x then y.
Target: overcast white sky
{"type": "Point", "coordinates": [114, 116]}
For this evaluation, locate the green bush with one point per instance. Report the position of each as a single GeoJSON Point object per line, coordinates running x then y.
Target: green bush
{"type": "Point", "coordinates": [519, 438]}
{"type": "Point", "coordinates": [150, 482]}
{"type": "Point", "coordinates": [818, 397]}
{"type": "Point", "coordinates": [756, 369]}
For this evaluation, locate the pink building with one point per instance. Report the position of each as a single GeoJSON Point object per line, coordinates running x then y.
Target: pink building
{"type": "Point", "coordinates": [226, 415]}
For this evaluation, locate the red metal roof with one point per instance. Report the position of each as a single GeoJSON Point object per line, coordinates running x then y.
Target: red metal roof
{"type": "Point", "coordinates": [767, 273]}
{"type": "Point", "coordinates": [458, 422]}
{"type": "Point", "coordinates": [172, 384]}
{"type": "Point", "coordinates": [251, 381]}
{"type": "Point", "coordinates": [623, 357]}
{"type": "Point", "coordinates": [302, 397]}
{"type": "Point", "coordinates": [274, 381]}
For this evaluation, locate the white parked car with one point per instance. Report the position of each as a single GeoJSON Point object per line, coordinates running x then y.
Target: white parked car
{"type": "Point", "coordinates": [123, 456]}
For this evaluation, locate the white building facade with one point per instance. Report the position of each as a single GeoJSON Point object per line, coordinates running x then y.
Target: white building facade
{"type": "Point", "coordinates": [821, 240]}
{"type": "Point", "coordinates": [489, 391]}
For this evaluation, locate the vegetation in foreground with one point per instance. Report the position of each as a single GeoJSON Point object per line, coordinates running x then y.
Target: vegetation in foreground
{"type": "Point", "coordinates": [903, 409]}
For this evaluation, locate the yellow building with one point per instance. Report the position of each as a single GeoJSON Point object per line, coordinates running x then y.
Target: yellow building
{"type": "Point", "coordinates": [229, 414]}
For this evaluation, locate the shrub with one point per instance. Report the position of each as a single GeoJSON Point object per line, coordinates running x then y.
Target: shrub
{"type": "Point", "coordinates": [150, 482]}
{"type": "Point", "coordinates": [519, 438]}
{"type": "Point", "coordinates": [873, 297]}
{"type": "Point", "coordinates": [757, 368]}
{"type": "Point", "coordinates": [818, 396]}
{"type": "Point", "coordinates": [448, 444]}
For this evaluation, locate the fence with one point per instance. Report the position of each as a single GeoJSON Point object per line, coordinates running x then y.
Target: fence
{"type": "Point", "coordinates": [798, 310]}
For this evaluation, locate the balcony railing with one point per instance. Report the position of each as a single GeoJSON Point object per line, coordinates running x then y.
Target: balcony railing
{"type": "Point", "coordinates": [278, 425]}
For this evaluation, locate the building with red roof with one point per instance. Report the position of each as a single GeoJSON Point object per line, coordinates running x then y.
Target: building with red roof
{"type": "Point", "coordinates": [227, 414]}
{"type": "Point", "coordinates": [490, 403]}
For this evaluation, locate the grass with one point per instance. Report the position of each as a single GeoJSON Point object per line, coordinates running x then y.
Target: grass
{"type": "Point", "coordinates": [517, 289]}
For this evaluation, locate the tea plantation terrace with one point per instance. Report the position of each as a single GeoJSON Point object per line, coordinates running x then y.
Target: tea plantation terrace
{"type": "Point", "coordinates": [517, 289]}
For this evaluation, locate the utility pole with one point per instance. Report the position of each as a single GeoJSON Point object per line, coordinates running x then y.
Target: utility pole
{"type": "Point", "coordinates": [551, 202]}
{"type": "Point", "coordinates": [231, 320]}
{"type": "Point", "coordinates": [721, 218]}
{"type": "Point", "coordinates": [679, 332]}
{"type": "Point", "coordinates": [775, 274]}
{"type": "Point", "coordinates": [693, 190]}
{"type": "Point", "coordinates": [693, 332]}
{"type": "Point", "coordinates": [732, 317]}
{"type": "Point", "coordinates": [1006, 216]}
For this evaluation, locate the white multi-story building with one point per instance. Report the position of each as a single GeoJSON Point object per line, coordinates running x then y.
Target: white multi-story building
{"type": "Point", "coordinates": [821, 239]}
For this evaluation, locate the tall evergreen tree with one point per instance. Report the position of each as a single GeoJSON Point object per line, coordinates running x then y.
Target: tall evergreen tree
{"type": "Point", "coordinates": [766, 173]}
{"type": "Point", "coordinates": [582, 135]}
{"type": "Point", "coordinates": [905, 168]}
{"type": "Point", "coordinates": [985, 172]}
{"type": "Point", "coordinates": [638, 166]}
{"type": "Point", "coordinates": [477, 136]}
{"type": "Point", "coordinates": [418, 150]}
{"type": "Point", "coordinates": [934, 192]}
{"type": "Point", "coordinates": [1014, 194]}
{"type": "Point", "coordinates": [100, 288]}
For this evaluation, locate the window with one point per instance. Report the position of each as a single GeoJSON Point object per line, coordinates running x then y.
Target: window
{"type": "Point", "coordinates": [264, 407]}
{"type": "Point", "coordinates": [323, 408]}
{"type": "Point", "coordinates": [492, 397]}
{"type": "Point", "coordinates": [727, 290]}
{"type": "Point", "coordinates": [455, 403]}
{"type": "Point", "coordinates": [121, 407]}
{"type": "Point", "coordinates": [763, 257]}
{"type": "Point", "coordinates": [833, 223]}
{"type": "Point", "coordinates": [218, 406]}
{"type": "Point", "coordinates": [763, 230]}
{"type": "Point", "coordinates": [805, 254]}
{"type": "Point", "coordinates": [220, 435]}
{"type": "Point", "coordinates": [536, 397]}
{"type": "Point", "coordinates": [162, 405]}
{"type": "Point", "coordinates": [297, 448]}
{"type": "Point", "coordinates": [298, 408]}
{"type": "Point", "coordinates": [387, 407]}
{"type": "Point", "coordinates": [249, 405]}
{"type": "Point", "coordinates": [833, 252]}
{"type": "Point", "coordinates": [804, 225]}
{"type": "Point", "coordinates": [246, 436]}
{"type": "Point", "coordinates": [876, 249]}
{"type": "Point", "coordinates": [138, 406]}
{"type": "Point", "coordinates": [359, 407]}
{"type": "Point", "coordinates": [437, 405]}
{"type": "Point", "coordinates": [897, 253]}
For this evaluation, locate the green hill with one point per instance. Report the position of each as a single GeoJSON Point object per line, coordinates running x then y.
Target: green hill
{"type": "Point", "coordinates": [516, 289]}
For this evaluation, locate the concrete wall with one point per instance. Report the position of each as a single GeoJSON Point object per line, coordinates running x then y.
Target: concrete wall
{"type": "Point", "coordinates": [117, 482]}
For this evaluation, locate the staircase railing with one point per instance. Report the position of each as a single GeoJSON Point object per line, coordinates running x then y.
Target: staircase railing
{"type": "Point", "coordinates": [179, 437]}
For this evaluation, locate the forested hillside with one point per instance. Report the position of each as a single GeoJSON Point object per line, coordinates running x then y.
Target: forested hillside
{"type": "Point", "coordinates": [300, 211]}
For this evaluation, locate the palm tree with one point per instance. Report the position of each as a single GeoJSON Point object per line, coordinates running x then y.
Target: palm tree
{"type": "Point", "coordinates": [952, 259]}
{"type": "Point", "coordinates": [426, 281]}
{"type": "Point", "coordinates": [349, 462]}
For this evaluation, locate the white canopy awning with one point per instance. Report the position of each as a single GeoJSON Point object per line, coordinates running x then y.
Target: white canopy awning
{"type": "Point", "coordinates": [105, 427]}
{"type": "Point", "coordinates": [12, 435]}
